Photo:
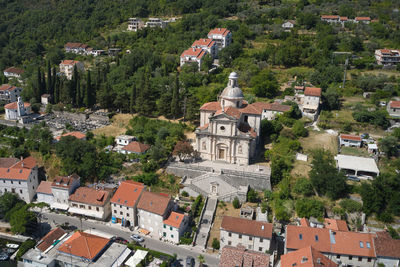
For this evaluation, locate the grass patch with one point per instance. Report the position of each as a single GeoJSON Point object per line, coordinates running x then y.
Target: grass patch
{"type": "Point", "coordinates": [117, 127]}
{"type": "Point", "coordinates": [354, 151]}
{"type": "Point", "coordinates": [317, 140]}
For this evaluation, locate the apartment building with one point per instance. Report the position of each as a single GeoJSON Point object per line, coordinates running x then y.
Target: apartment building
{"type": "Point", "coordinates": [135, 24]}
{"type": "Point", "coordinates": [67, 67]}
{"type": "Point", "coordinates": [387, 56]}
{"type": "Point", "coordinates": [12, 72]}
{"type": "Point", "coordinates": [307, 256]}
{"type": "Point", "coordinates": [221, 36]}
{"type": "Point", "coordinates": [175, 226]}
{"type": "Point", "coordinates": [156, 23]}
{"type": "Point", "coordinates": [9, 93]}
{"type": "Point", "coordinates": [193, 55]}
{"type": "Point", "coordinates": [61, 188]}
{"type": "Point", "coordinates": [90, 202]}
{"type": "Point", "coordinates": [253, 235]}
{"type": "Point", "coordinates": [208, 45]}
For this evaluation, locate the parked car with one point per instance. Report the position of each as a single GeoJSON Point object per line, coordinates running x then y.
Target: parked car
{"type": "Point", "coordinates": [137, 238]}
{"type": "Point", "coordinates": [353, 178]}
{"type": "Point", "coordinates": [189, 261]}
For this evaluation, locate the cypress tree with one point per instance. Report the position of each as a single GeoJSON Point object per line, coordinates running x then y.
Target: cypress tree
{"type": "Point", "coordinates": [132, 99]}
{"type": "Point", "coordinates": [43, 88]}
{"type": "Point", "coordinates": [38, 87]}
{"type": "Point", "coordinates": [88, 99]}
{"type": "Point", "coordinates": [54, 79]}
{"type": "Point", "coordinates": [175, 109]}
{"type": "Point", "coordinates": [78, 98]}
{"type": "Point", "coordinates": [49, 78]}
{"type": "Point", "coordinates": [56, 96]}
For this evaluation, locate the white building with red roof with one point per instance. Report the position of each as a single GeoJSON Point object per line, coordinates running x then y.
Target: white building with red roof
{"type": "Point", "coordinates": [9, 93]}
{"type": "Point", "coordinates": [76, 48]}
{"type": "Point", "coordinates": [134, 147]}
{"type": "Point", "coordinates": [222, 37]}
{"type": "Point", "coordinates": [13, 72]}
{"type": "Point", "coordinates": [61, 188]}
{"type": "Point", "coordinates": [387, 57]}
{"type": "Point", "coordinates": [208, 45]}
{"type": "Point", "coordinates": [310, 102]}
{"type": "Point", "coordinates": [193, 55]}
{"type": "Point", "coordinates": [393, 108]}
{"type": "Point", "coordinates": [43, 192]}
{"type": "Point", "coordinates": [90, 202]}
{"type": "Point", "coordinates": [350, 140]}
{"type": "Point", "coordinates": [18, 111]}
{"type": "Point", "coordinates": [19, 177]}
{"type": "Point", "coordinates": [366, 20]}
{"type": "Point", "coordinates": [175, 226]}
{"type": "Point", "coordinates": [67, 67]}
{"type": "Point", "coordinates": [124, 203]}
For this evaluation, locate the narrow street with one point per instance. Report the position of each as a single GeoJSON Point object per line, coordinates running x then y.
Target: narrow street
{"type": "Point", "coordinates": [151, 243]}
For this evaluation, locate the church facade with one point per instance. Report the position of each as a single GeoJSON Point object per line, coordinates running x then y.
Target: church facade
{"type": "Point", "coordinates": [230, 127]}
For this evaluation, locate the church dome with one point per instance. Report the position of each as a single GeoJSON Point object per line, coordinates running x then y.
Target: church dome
{"type": "Point", "coordinates": [232, 93]}
{"type": "Point", "coordinates": [233, 75]}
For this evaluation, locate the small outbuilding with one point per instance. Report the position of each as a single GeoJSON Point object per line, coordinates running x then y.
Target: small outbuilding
{"type": "Point", "coordinates": [363, 168]}
{"type": "Point", "coordinates": [350, 140]}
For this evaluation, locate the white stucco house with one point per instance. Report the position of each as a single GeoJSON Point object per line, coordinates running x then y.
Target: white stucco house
{"type": "Point", "coordinates": [43, 192]}
{"type": "Point", "coordinates": [350, 140]}
{"type": "Point", "coordinates": [62, 187]}
{"type": "Point", "coordinates": [9, 93]}
{"type": "Point", "coordinates": [222, 37]}
{"type": "Point", "coordinates": [18, 111]}
{"type": "Point", "coordinates": [193, 55]}
{"type": "Point", "coordinates": [174, 227]}
{"type": "Point", "coordinates": [67, 67]}
{"type": "Point", "coordinates": [288, 25]}
{"type": "Point", "coordinates": [208, 45]}
{"type": "Point", "coordinates": [90, 202]}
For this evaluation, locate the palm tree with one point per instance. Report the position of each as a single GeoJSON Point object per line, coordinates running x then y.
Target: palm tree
{"type": "Point", "coordinates": [201, 259]}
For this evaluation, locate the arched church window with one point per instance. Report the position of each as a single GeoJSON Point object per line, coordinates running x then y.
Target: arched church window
{"type": "Point", "coordinates": [240, 149]}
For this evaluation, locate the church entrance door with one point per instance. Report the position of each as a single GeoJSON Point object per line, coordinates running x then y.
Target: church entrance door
{"type": "Point", "coordinates": [221, 153]}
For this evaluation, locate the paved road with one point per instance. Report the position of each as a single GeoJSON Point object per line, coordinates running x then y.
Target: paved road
{"type": "Point", "coordinates": [181, 252]}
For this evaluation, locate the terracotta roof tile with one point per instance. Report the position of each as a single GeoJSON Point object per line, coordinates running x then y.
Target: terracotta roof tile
{"type": "Point", "coordinates": [84, 245]}
{"type": "Point", "coordinates": [50, 238]}
{"type": "Point", "coordinates": [64, 181]}
{"type": "Point", "coordinates": [336, 225]}
{"type": "Point", "coordinates": [306, 257]}
{"type": "Point", "coordinates": [230, 111]}
{"type": "Point", "coordinates": [386, 246]}
{"type": "Point", "coordinates": [14, 105]}
{"type": "Point", "coordinates": [153, 202]}
{"type": "Point", "coordinates": [195, 52]}
{"type": "Point", "coordinates": [175, 219]}
{"type": "Point", "coordinates": [7, 162]}
{"type": "Point", "coordinates": [394, 104]}
{"type": "Point", "coordinates": [330, 17]}
{"type": "Point", "coordinates": [344, 18]}
{"type": "Point", "coordinates": [90, 196]}
{"type": "Point", "coordinates": [205, 126]}
{"type": "Point", "coordinates": [128, 193]}
{"type": "Point", "coordinates": [69, 62]}
{"type": "Point", "coordinates": [136, 147]}
{"type": "Point", "coordinates": [44, 188]}
{"type": "Point", "coordinates": [27, 163]}
{"type": "Point", "coordinates": [14, 70]}
{"type": "Point", "coordinates": [75, 134]}
{"type": "Point", "coordinates": [221, 31]}
{"type": "Point", "coordinates": [239, 256]}
{"type": "Point", "coordinates": [313, 91]}
{"type": "Point", "coordinates": [362, 18]}
{"type": "Point", "coordinates": [271, 106]}
{"type": "Point", "coordinates": [350, 137]}
{"type": "Point", "coordinates": [251, 109]}
{"type": "Point", "coordinates": [7, 87]}
{"type": "Point", "coordinates": [211, 106]}
{"type": "Point", "coordinates": [247, 227]}
{"type": "Point", "coordinates": [203, 42]}
{"type": "Point", "coordinates": [304, 222]}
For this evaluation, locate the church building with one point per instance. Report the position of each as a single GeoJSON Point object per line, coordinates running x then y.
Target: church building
{"type": "Point", "coordinates": [230, 127]}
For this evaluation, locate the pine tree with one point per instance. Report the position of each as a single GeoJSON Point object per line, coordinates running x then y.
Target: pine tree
{"type": "Point", "coordinates": [49, 79]}
{"type": "Point", "coordinates": [89, 98]}
{"type": "Point", "coordinates": [132, 99]}
{"type": "Point", "coordinates": [43, 88]}
{"type": "Point", "coordinates": [175, 107]}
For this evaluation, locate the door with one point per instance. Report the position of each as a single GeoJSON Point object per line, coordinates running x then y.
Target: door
{"type": "Point", "coordinates": [221, 153]}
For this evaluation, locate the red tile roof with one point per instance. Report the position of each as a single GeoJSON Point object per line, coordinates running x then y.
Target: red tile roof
{"type": "Point", "coordinates": [194, 52]}
{"type": "Point", "coordinates": [153, 202]}
{"type": "Point", "coordinates": [90, 196]}
{"type": "Point", "coordinates": [323, 239]}
{"type": "Point", "coordinates": [239, 256]}
{"type": "Point", "coordinates": [64, 181]}
{"type": "Point", "coordinates": [7, 162]}
{"type": "Point", "coordinates": [19, 171]}
{"type": "Point", "coordinates": [26, 163]}
{"type": "Point", "coordinates": [230, 111]}
{"type": "Point", "coordinates": [203, 42]}
{"type": "Point", "coordinates": [175, 219]}
{"type": "Point", "coordinates": [336, 225]}
{"type": "Point", "coordinates": [14, 70]}
{"type": "Point", "coordinates": [394, 104]}
{"type": "Point", "coordinates": [50, 238]}
{"type": "Point", "coordinates": [362, 18]}
{"type": "Point", "coordinates": [211, 106]}
{"type": "Point", "coordinates": [386, 246]}
{"type": "Point", "coordinates": [271, 106]}
{"type": "Point", "coordinates": [221, 31]}
{"type": "Point", "coordinates": [350, 137]}
{"type": "Point", "coordinates": [247, 227]}
{"type": "Point", "coordinates": [304, 222]}
{"type": "Point", "coordinates": [313, 91]}
{"type": "Point", "coordinates": [136, 147]}
{"type": "Point", "coordinates": [128, 193]}
{"type": "Point", "coordinates": [75, 134]}
{"type": "Point", "coordinates": [14, 105]}
{"type": "Point", "coordinates": [205, 126]}
{"type": "Point", "coordinates": [330, 17]}
{"type": "Point", "coordinates": [306, 257]}
{"type": "Point", "coordinates": [250, 109]}
{"type": "Point", "coordinates": [344, 18]}
{"type": "Point", "coordinates": [7, 87]}
{"type": "Point", "coordinates": [44, 188]}
{"type": "Point", "coordinates": [69, 62]}
{"type": "Point", "coordinates": [298, 87]}
{"type": "Point", "coordinates": [84, 245]}
{"type": "Point", "coordinates": [75, 45]}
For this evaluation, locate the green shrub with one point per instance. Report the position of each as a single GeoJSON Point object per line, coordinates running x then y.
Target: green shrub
{"type": "Point", "coordinates": [25, 246]}
{"type": "Point", "coordinates": [350, 205]}
{"type": "Point", "coordinates": [304, 187]}
{"type": "Point", "coordinates": [309, 207]}
{"type": "Point", "coordinates": [215, 244]}
{"type": "Point", "coordinates": [236, 203]}
{"type": "Point", "coordinates": [185, 194]}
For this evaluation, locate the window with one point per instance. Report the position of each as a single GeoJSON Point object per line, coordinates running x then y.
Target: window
{"type": "Point", "coordinates": [361, 244]}
{"type": "Point", "coordinates": [97, 208]}
{"type": "Point", "coordinates": [240, 150]}
{"type": "Point", "coordinates": [82, 206]}
{"type": "Point", "coordinates": [229, 243]}
{"type": "Point", "coordinates": [170, 228]}
{"type": "Point", "coordinates": [172, 236]}
{"type": "Point", "coordinates": [369, 259]}
{"type": "Point", "coordinates": [127, 215]}
{"type": "Point", "coordinates": [250, 238]}
{"type": "Point", "coordinates": [237, 104]}
{"type": "Point", "coordinates": [246, 118]}
{"type": "Point", "coordinates": [90, 207]}
{"type": "Point", "coordinates": [359, 258]}
{"type": "Point", "coordinates": [19, 182]}
{"type": "Point", "coordinates": [260, 249]}
{"type": "Point", "coordinates": [164, 234]}
{"type": "Point", "coordinates": [115, 205]}
{"type": "Point", "coordinates": [165, 226]}
{"type": "Point", "coordinates": [115, 211]}
{"type": "Point", "coordinates": [338, 257]}
{"type": "Point", "coordinates": [240, 236]}
{"type": "Point", "coordinates": [229, 234]}
{"type": "Point", "coordinates": [4, 181]}
{"type": "Point", "coordinates": [368, 245]}
{"type": "Point", "coordinates": [300, 236]}
{"type": "Point", "coordinates": [261, 240]}
{"type": "Point", "coordinates": [350, 257]}
{"type": "Point", "coordinates": [250, 246]}
{"type": "Point", "coordinates": [203, 145]}
{"type": "Point", "coordinates": [120, 206]}
{"type": "Point", "coordinates": [222, 128]}
{"type": "Point", "coordinates": [121, 213]}
{"type": "Point", "coordinates": [12, 182]}
{"type": "Point", "coordinates": [20, 191]}
{"type": "Point", "coordinates": [316, 238]}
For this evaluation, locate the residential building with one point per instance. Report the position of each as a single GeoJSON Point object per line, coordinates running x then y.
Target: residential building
{"type": "Point", "coordinates": [135, 24]}
{"type": "Point", "coordinates": [193, 55]}
{"type": "Point", "coordinates": [336, 225]}
{"type": "Point", "coordinates": [366, 20]}
{"type": "Point", "coordinates": [350, 140]}
{"type": "Point", "coordinates": [156, 23]}
{"type": "Point", "coordinates": [364, 168]}
{"type": "Point", "coordinates": [387, 56]}
{"type": "Point", "coordinates": [393, 108]}
{"type": "Point", "coordinates": [208, 45]}
{"type": "Point", "coordinates": [75, 134]}
{"type": "Point", "coordinates": [309, 104]}
{"type": "Point", "coordinates": [153, 209]}
{"type": "Point", "coordinates": [13, 72]}
{"type": "Point", "coordinates": [222, 37]}
{"type": "Point", "coordinates": [253, 235]}
{"type": "Point", "coordinates": [43, 192]}
{"type": "Point", "coordinates": [299, 89]}
{"type": "Point", "coordinates": [123, 140]}
{"type": "Point", "coordinates": [239, 256]}
{"type": "Point", "coordinates": [19, 177]}
{"type": "Point", "coordinates": [62, 187]}
{"type": "Point", "coordinates": [387, 249]}
{"type": "Point", "coordinates": [45, 99]}
{"type": "Point", "coordinates": [271, 110]}
{"type": "Point", "coordinates": [124, 203]}
{"type": "Point", "coordinates": [76, 48]}
{"type": "Point", "coordinates": [18, 111]}
{"type": "Point", "coordinates": [90, 202]}
{"type": "Point", "coordinates": [306, 257]}
{"type": "Point", "coordinates": [135, 148]}
{"type": "Point", "coordinates": [289, 24]}
{"type": "Point", "coordinates": [174, 227]}
{"type": "Point", "coordinates": [67, 67]}
{"type": "Point", "coordinates": [9, 93]}
{"type": "Point", "coordinates": [330, 18]}
{"type": "Point", "coordinates": [342, 247]}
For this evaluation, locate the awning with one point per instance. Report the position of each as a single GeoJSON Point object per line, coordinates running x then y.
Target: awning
{"type": "Point", "coordinates": [136, 258]}
{"type": "Point", "coordinates": [144, 231]}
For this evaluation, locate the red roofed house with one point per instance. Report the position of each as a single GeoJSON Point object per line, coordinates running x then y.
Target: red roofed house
{"type": "Point", "coordinates": [387, 56]}
{"type": "Point", "coordinates": [90, 202]}
{"type": "Point", "coordinates": [344, 247]}
{"type": "Point", "coordinates": [387, 249]}
{"type": "Point", "coordinates": [393, 108]}
{"type": "Point", "coordinates": [208, 45]}
{"type": "Point", "coordinates": [193, 55]}
{"type": "Point", "coordinates": [153, 209]}
{"type": "Point", "coordinates": [67, 67]}
{"type": "Point", "coordinates": [222, 37]}
{"type": "Point", "coordinates": [18, 111]}
{"type": "Point", "coordinates": [135, 147]}
{"type": "Point", "coordinates": [124, 203]}
{"type": "Point", "coordinates": [75, 134]}
{"type": "Point", "coordinates": [350, 140]}
{"type": "Point", "coordinates": [62, 188]}
{"type": "Point", "coordinates": [76, 48]}
{"type": "Point", "coordinates": [330, 18]}
{"type": "Point", "coordinates": [309, 104]}
{"type": "Point", "coordinates": [19, 177]}
{"type": "Point", "coordinates": [253, 235]}
{"type": "Point", "coordinates": [13, 73]}
{"type": "Point", "coordinates": [9, 93]}
{"type": "Point", "coordinates": [306, 257]}
{"type": "Point", "coordinates": [175, 226]}
{"type": "Point", "coordinates": [239, 256]}
{"type": "Point", "coordinates": [366, 20]}
{"type": "Point", "coordinates": [43, 192]}
{"type": "Point", "coordinates": [230, 127]}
